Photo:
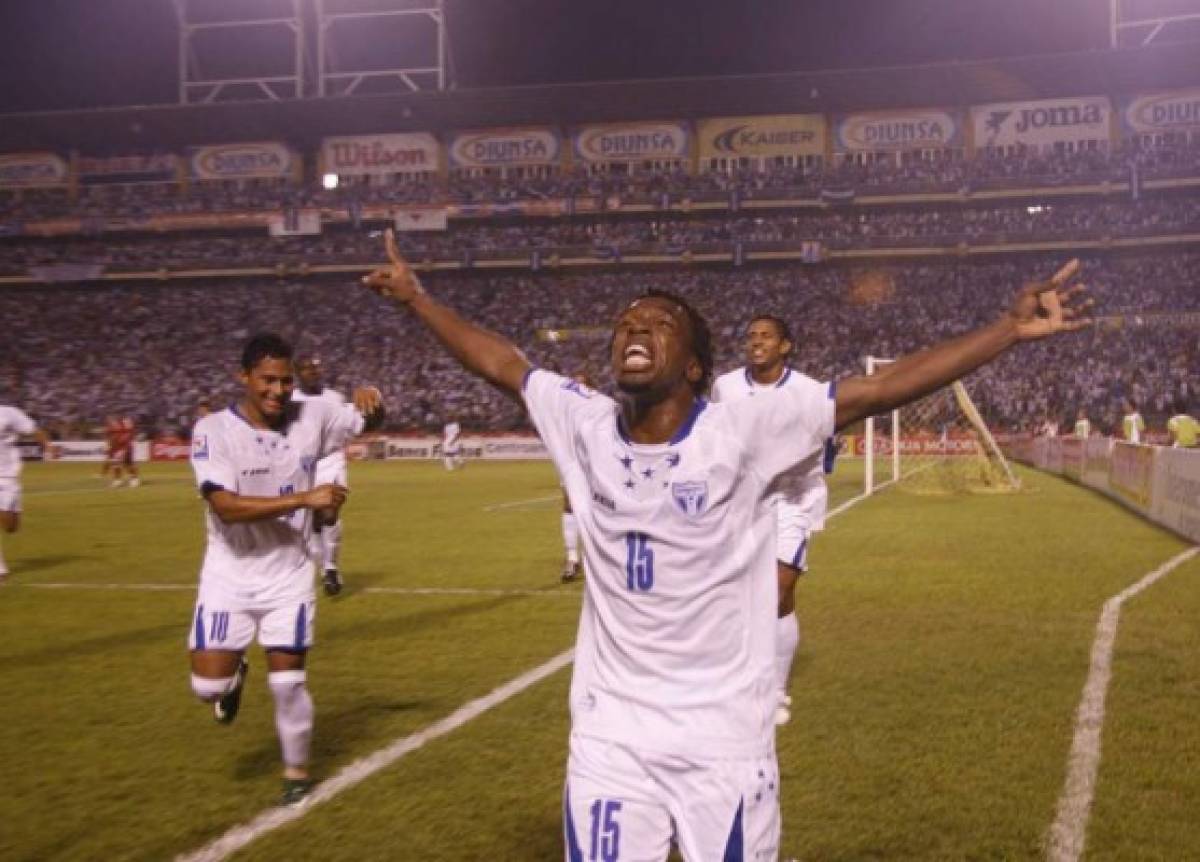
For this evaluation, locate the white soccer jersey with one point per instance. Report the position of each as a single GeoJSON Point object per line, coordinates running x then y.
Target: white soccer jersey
{"type": "Point", "coordinates": [263, 564]}
{"type": "Point", "coordinates": [333, 465]}
{"type": "Point", "coordinates": [676, 643]}
{"type": "Point", "coordinates": [451, 435]}
{"type": "Point", "coordinates": [13, 424]}
{"type": "Point", "coordinates": [805, 490]}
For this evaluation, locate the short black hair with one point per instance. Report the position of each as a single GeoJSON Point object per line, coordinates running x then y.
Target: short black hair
{"type": "Point", "coordinates": [702, 344]}
{"type": "Point", "coordinates": [262, 346]}
{"type": "Point", "coordinates": [781, 326]}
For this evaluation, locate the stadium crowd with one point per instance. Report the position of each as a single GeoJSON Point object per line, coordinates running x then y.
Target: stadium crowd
{"type": "Point", "coordinates": [72, 355]}
{"type": "Point", "coordinates": [835, 228]}
{"type": "Point", "coordinates": [947, 171]}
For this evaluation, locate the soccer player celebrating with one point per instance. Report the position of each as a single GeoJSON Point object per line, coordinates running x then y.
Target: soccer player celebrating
{"type": "Point", "coordinates": [331, 470]}
{"type": "Point", "coordinates": [14, 423]}
{"type": "Point", "coordinates": [673, 694]}
{"type": "Point", "coordinates": [800, 496]}
{"type": "Point", "coordinates": [255, 464]}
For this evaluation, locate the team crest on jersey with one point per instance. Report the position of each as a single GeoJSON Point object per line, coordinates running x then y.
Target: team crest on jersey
{"type": "Point", "coordinates": [200, 447]}
{"type": "Point", "coordinates": [690, 497]}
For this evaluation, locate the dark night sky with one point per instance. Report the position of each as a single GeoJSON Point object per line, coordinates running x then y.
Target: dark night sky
{"type": "Point", "coordinates": [61, 54]}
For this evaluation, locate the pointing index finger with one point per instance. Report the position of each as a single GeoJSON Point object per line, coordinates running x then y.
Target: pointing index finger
{"type": "Point", "coordinates": [393, 251]}
{"type": "Point", "coordinates": [1065, 272]}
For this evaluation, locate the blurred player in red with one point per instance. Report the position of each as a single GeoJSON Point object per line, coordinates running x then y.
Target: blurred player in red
{"type": "Point", "coordinates": [120, 434]}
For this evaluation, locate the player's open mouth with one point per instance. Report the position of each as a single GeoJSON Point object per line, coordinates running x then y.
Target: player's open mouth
{"type": "Point", "coordinates": [635, 358]}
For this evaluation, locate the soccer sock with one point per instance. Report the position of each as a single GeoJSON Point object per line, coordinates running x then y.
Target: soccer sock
{"type": "Point", "coordinates": [787, 640]}
{"type": "Point", "coordinates": [293, 715]}
{"type": "Point", "coordinates": [570, 531]}
{"type": "Point", "coordinates": [331, 544]}
{"type": "Point", "coordinates": [449, 462]}
{"type": "Point", "coordinates": [208, 689]}
{"type": "Point", "coordinates": [3, 565]}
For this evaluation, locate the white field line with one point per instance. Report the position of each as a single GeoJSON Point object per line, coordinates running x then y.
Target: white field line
{"type": "Point", "coordinates": [239, 836]}
{"type": "Point", "coordinates": [103, 489]}
{"type": "Point", "coordinates": [1069, 830]}
{"type": "Point", "coordinates": [358, 771]}
{"type": "Point", "coordinates": [517, 504]}
{"type": "Point", "coordinates": [401, 591]}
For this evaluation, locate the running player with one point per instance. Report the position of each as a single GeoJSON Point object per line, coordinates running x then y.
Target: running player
{"type": "Point", "coordinates": [331, 470]}
{"type": "Point", "coordinates": [14, 424]}
{"type": "Point", "coordinates": [673, 692]}
{"type": "Point", "coordinates": [255, 465]}
{"type": "Point", "coordinates": [800, 497]}
{"type": "Point", "coordinates": [452, 445]}
{"type": "Point", "coordinates": [121, 433]}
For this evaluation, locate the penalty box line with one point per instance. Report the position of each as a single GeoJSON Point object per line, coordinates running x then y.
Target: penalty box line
{"type": "Point", "coordinates": [240, 836]}
{"type": "Point", "coordinates": [1068, 833]}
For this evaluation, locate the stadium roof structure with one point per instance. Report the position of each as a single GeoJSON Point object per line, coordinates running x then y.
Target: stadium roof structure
{"type": "Point", "coordinates": [305, 121]}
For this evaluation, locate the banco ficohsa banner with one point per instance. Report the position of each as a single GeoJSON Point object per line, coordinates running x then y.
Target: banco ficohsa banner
{"type": "Point", "coordinates": [244, 161]}
{"type": "Point", "coordinates": [499, 148]}
{"type": "Point", "coordinates": [1178, 111]}
{"type": "Point", "coordinates": [898, 131]}
{"type": "Point", "coordinates": [632, 142]}
{"type": "Point", "coordinates": [1043, 123]}
{"type": "Point", "coordinates": [761, 137]}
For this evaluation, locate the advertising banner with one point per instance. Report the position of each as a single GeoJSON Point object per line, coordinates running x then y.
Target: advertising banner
{"type": "Point", "coordinates": [629, 142]}
{"type": "Point", "coordinates": [1097, 454]}
{"type": "Point", "coordinates": [418, 219]}
{"type": "Point", "coordinates": [30, 450]}
{"type": "Point", "coordinates": [505, 447]}
{"type": "Point", "coordinates": [380, 155]}
{"type": "Point", "coordinates": [1177, 491]}
{"type": "Point", "coordinates": [1131, 472]}
{"type": "Point", "coordinates": [1072, 457]}
{"type": "Point", "coordinates": [499, 148]}
{"type": "Point", "coordinates": [761, 137]}
{"type": "Point", "coordinates": [295, 222]}
{"type": "Point", "coordinates": [897, 131]}
{"type": "Point", "coordinates": [1177, 111]}
{"type": "Point", "coordinates": [32, 170]}
{"type": "Point", "coordinates": [144, 168]}
{"type": "Point", "coordinates": [170, 449]}
{"type": "Point", "coordinates": [78, 450]}
{"type": "Point", "coordinates": [919, 444]}
{"type": "Point", "coordinates": [1042, 123]}
{"type": "Point", "coordinates": [247, 161]}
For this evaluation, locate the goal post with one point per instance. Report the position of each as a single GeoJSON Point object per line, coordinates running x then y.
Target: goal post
{"type": "Point", "coordinates": [938, 444]}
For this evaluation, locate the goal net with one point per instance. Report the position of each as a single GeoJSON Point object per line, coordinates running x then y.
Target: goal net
{"type": "Point", "coordinates": [937, 445]}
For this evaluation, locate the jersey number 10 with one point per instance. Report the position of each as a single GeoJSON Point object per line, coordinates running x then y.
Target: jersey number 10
{"type": "Point", "coordinates": [639, 562]}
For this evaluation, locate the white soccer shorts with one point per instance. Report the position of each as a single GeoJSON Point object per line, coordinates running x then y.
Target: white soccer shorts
{"type": "Point", "coordinates": [287, 627]}
{"type": "Point", "coordinates": [626, 805]}
{"type": "Point", "coordinates": [791, 535]}
{"type": "Point", "coordinates": [10, 495]}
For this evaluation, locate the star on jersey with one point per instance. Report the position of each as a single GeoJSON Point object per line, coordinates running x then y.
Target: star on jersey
{"type": "Point", "coordinates": [644, 473]}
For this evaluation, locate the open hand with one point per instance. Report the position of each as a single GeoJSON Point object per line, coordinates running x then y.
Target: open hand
{"type": "Point", "coordinates": [396, 280]}
{"type": "Point", "coordinates": [367, 400]}
{"type": "Point", "coordinates": [1048, 307]}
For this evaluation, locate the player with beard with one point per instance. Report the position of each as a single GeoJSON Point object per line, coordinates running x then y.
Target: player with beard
{"type": "Point", "coordinates": [800, 496]}
{"type": "Point", "coordinates": [673, 692]}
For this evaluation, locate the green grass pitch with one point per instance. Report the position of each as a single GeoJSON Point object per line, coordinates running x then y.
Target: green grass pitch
{"type": "Point", "coordinates": [945, 646]}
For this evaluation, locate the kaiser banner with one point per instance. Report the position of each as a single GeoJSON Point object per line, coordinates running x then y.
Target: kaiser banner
{"type": "Point", "coordinates": [631, 142]}
{"type": "Point", "coordinates": [1042, 124]}
{"type": "Point", "coordinates": [29, 170]}
{"type": "Point", "coordinates": [153, 168]}
{"type": "Point", "coordinates": [170, 449]}
{"type": "Point", "coordinates": [1178, 111]}
{"type": "Point", "coordinates": [409, 153]}
{"type": "Point", "coordinates": [762, 137]}
{"type": "Point", "coordinates": [895, 131]}
{"type": "Point", "coordinates": [498, 148]}
{"type": "Point", "coordinates": [257, 160]}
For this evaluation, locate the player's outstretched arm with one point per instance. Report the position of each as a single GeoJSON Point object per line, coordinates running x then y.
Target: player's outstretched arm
{"type": "Point", "coordinates": [1040, 310]}
{"type": "Point", "coordinates": [368, 401]}
{"type": "Point", "coordinates": [482, 352]}
{"type": "Point", "coordinates": [234, 508]}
